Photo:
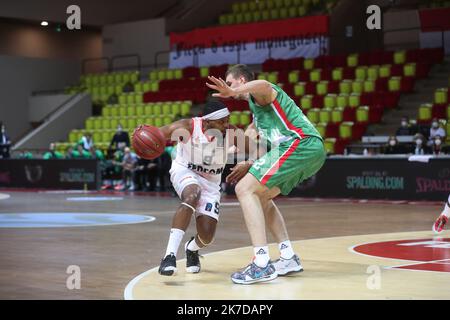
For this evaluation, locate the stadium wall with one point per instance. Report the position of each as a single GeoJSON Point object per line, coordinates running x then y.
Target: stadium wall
{"type": "Point", "coordinates": [20, 77]}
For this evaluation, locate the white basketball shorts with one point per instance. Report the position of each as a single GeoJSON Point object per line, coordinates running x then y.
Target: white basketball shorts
{"type": "Point", "coordinates": [209, 202]}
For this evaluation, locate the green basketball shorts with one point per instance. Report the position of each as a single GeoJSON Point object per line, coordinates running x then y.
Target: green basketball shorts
{"type": "Point", "coordinates": [291, 162]}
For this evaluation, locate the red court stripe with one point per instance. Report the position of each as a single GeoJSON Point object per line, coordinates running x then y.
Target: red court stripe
{"type": "Point", "coordinates": [280, 162]}
{"type": "Point", "coordinates": [285, 119]}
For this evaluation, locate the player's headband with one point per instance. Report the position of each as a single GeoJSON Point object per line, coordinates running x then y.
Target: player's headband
{"type": "Point", "coordinates": [216, 115]}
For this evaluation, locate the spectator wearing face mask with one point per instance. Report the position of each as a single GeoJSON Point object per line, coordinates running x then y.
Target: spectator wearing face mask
{"type": "Point", "coordinates": [405, 129]}
{"type": "Point", "coordinates": [435, 130]}
{"type": "Point", "coordinates": [393, 147]}
{"type": "Point", "coordinates": [437, 145]}
{"type": "Point", "coordinates": [120, 139]}
{"type": "Point", "coordinates": [420, 147]}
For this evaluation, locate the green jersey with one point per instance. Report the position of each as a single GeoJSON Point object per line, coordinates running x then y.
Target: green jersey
{"type": "Point", "coordinates": [282, 120]}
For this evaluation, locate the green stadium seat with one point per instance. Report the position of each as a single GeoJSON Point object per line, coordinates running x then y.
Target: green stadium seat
{"type": "Point", "coordinates": [168, 119]}
{"type": "Point", "coordinates": [337, 74]}
{"type": "Point", "coordinates": [96, 136]}
{"type": "Point", "coordinates": [148, 109]}
{"type": "Point", "coordinates": [448, 112]}
{"type": "Point", "coordinates": [126, 77]}
{"type": "Point", "coordinates": [270, 4]}
{"type": "Point", "coordinates": [178, 73]}
{"type": "Point", "coordinates": [329, 145]}
{"type": "Point", "coordinates": [114, 122]}
{"type": "Point", "coordinates": [440, 96]}
{"type": "Point", "coordinates": [106, 111]}
{"type": "Point", "coordinates": [409, 70]}
{"type": "Point", "coordinates": [150, 121]}
{"type": "Point", "coordinates": [313, 115]}
{"type": "Point", "coordinates": [236, 7]}
{"type": "Point", "coordinates": [330, 100]}
{"type": "Point", "coordinates": [345, 86]}
{"type": "Point", "coordinates": [248, 17]}
{"type": "Point", "coordinates": [262, 76]}
{"type": "Point", "coordinates": [357, 86]}
{"type": "Point", "coordinates": [288, 3]}
{"type": "Point", "coordinates": [394, 84]}
{"type": "Point", "coordinates": [274, 14]}
{"type": "Point", "coordinates": [89, 123]}
{"type": "Point", "coordinates": [131, 111]}
{"type": "Point", "coordinates": [272, 77]}
{"type": "Point", "coordinates": [222, 19]}
{"type": "Point", "coordinates": [204, 72]}
{"type": "Point", "coordinates": [322, 128]}
{"type": "Point", "coordinates": [345, 130]}
{"type": "Point", "coordinates": [322, 88]}
{"type": "Point", "coordinates": [73, 136]}
{"type": "Point", "coordinates": [256, 16]}
{"type": "Point", "coordinates": [342, 100]}
{"type": "Point", "coordinates": [265, 15]}
{"type": "Point", "coordinates": [140, 110]}
{"type": "Point", "coordinates": [325, 115]}
{"type": "Point", "coordinates": [361, 73]}
{"type": "Point", "coordinates": [176, 108]}
{"type": "Point", "coordinates": [106, 124]}
{"type": "Point", "coordinates": [399, 57]}
{"type": "Point", "coordinates": [158, 122]}
{"type": "Point", "coordinates": [231, 19]}
{"type": "Point", "coordinates": [244, 6]}
{"type": "Point", "coordinates": [185, 108]}
{"type": "Point", "coordinates": [245, 118]}
{"type": "Point", "coordinates": [299, 89]}
{"type": "Point", "coordinates": [97, 123]}
{"type": "Point", "coordinates": [123, 111]}
{"type": "Point", "coordinates": [234, 118]}
{"type": "Point", "coordinates": [308, 64]}
{"type": "Point", "coordinates": [131, 122]}
{"type": "Point", "coordinates": [362, 114]}
{"type": "Point", "coordinates": [284, 14]}
{"type": "Point", "coordinates": [306, 102]}
{"type": "Point", "coordinates": [293, 76]}
{"type": "Point", "coordinates": [157, 109]}
{"type": "Point", "coordinates": [170, 74]}
{"type": "Point", "coordinates": [352, 60]}
{"type": "Point", "coordinates": [252, 6]}
{"type": "Point", "coordinates": [261, 5]}
{"type": "Point", "coordinates": [385, 71]}
{"type": "Point", "coordinates": [302, 11]}
{"type": "Point", "coordinates": [166, 108]}
{"type": "Point", "coordinates": [425, 112]}
{"type": "Point", "coordinates": [293, 12]}
{"type": "Point", "coordinates": [369, 86]}
{"type": "Point", "coordinates": [153, 76]}
{"type": "Point", "coordinates": [105, 138]}
{"type": "Point", "coordinates": [354, 100]}
{"type": "Point", "coordinates": [372, 72]}
{"type": "Point", "coordinates": [337, 115]}
{"type": "Point", "coordinates": [314, 75]}
{"type": "Point", "coordinates": [239, 18]}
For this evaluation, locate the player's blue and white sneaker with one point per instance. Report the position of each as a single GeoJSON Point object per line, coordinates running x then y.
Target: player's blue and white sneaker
{"type": "Point", "coordinates": [286, 266]}
{"type": "Point", "coordinates": [252, 273]}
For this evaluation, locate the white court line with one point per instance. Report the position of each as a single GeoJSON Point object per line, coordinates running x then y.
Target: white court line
{"type": "Point", "coordinates": [4, 196]}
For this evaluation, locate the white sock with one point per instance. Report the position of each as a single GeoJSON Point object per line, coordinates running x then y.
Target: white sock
{"type": "Point", "coordinates": [261, 256]}
{"type": "Point", "coordinates": [193, 246]}
{"type": "Point", "coordinates": [446, 211]}
{"type": "Point", "coordinates": [176, 235]}
{"type": "Point", "coordinates": [286, 251]}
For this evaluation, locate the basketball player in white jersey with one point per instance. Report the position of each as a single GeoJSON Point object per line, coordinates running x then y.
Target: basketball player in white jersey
{"type": "Point", "coordinates": [442, 220]}
{"type": "Point", "coordinates": [196, 176]}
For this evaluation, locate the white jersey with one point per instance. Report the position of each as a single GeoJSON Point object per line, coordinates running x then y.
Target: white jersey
{"type": "Point", "coordinates": [204, 155]}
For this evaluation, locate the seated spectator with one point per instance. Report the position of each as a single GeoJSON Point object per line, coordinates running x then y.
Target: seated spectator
{"type": "Point", "coordinates": [128, 164]}
{"type": "Point", "coordinates": [86, 141]}
{"type": "Point", "coordinates": [97, 154]}
{"type": "Point", "coordinates": [405, 128]}
{"type": "Point", "coordinates": [435, 130]}
{"type": "Point", "coordinates": [5, 142]}
{"type": "Point", "coordinates": [420, 147]}
{"type": "Point", "coordinates": [437, 145]}
{"type": "Point", "coordinates": [52, 153]}
{"type": "Point", "coordinates": [393, 146]}
{"type": "Point", "coordinates": [120, 139]}
{"type": "Point", "coordinates": [77, 152]}
{"type": "Point", "coordinates": [145, 175]}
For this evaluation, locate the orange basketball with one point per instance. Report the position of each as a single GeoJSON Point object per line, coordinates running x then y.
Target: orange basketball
{"type": "Point", "coordinates": [148, 142]}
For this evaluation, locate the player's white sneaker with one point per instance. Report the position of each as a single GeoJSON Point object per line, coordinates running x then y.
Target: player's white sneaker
{"type": "Point", "coordinates": [286, 266]}
{"type": "Point", "coordinates": [439, 224]}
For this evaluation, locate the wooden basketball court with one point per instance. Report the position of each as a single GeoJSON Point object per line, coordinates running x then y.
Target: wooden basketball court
{"type": "Point", "coordinates": [349, 249]}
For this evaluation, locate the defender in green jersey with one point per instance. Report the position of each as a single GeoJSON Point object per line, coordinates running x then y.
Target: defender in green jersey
{"type": "Point", "coordinates": [296, 153]}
